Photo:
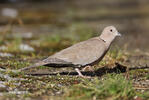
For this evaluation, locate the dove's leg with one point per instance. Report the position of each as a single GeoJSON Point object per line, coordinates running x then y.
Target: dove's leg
{"type": "Point", "coordinates": [78, 71]}
{"type": "Point", "coordinates": [80, 74]}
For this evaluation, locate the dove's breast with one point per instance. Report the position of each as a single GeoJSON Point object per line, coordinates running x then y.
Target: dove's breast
{"type": "Point", "coordinates": [83, 53]}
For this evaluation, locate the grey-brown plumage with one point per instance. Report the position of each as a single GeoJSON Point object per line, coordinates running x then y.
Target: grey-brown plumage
{"type": "Point", "coordinates": [88, 52]}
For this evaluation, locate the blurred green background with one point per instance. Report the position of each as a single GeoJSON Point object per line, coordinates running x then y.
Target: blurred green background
{"type": "Point", "coordinates": [66, 17]}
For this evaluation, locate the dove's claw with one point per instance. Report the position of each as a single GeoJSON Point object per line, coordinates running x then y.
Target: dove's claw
{"type": "Point", "coordinates": [87, 68]}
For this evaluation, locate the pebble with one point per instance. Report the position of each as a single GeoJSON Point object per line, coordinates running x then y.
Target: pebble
{"type": "Point", "coordinates": [6, 55]}
{"type": "Point", "coordinates": [26, 47]}
{"type": "Point", "coordinates": [9, 12]}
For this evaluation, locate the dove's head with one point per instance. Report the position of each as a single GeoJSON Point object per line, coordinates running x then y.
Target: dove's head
{"type": "Point", "coordinates": [109, 33]}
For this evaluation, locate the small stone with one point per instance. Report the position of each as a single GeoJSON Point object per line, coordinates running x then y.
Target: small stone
{"type": "Point", "coordinates": [25, 47]}
{"type": "Point", "coordinates": [6, 55]}
{"type": "Point", "coordinates": [9, 12]}
{"type": "Point", "coordinates": [3, 48]}
{"type": "Point", "coordinates": [2, 87]}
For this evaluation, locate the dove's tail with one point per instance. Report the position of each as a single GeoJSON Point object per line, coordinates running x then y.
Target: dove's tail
{"type": "Point", "coordinates": [33, 66]}
{"type": "Point", "coordinates": [49, 61]}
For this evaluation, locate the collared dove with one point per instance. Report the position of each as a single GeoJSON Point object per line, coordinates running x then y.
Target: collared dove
{"type": "Point", "coordinates": [82, 54]}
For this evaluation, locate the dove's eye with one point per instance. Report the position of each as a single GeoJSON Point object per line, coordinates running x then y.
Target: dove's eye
{"type": "Point", "coordinates": [111, 30]}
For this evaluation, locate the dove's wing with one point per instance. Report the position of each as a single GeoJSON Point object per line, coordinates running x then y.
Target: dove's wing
{"type": "Point", "coordinates": [83, 53]}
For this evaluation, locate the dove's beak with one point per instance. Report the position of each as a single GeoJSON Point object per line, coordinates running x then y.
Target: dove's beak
{"type": "Point", "coordinates": [119, 34]}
